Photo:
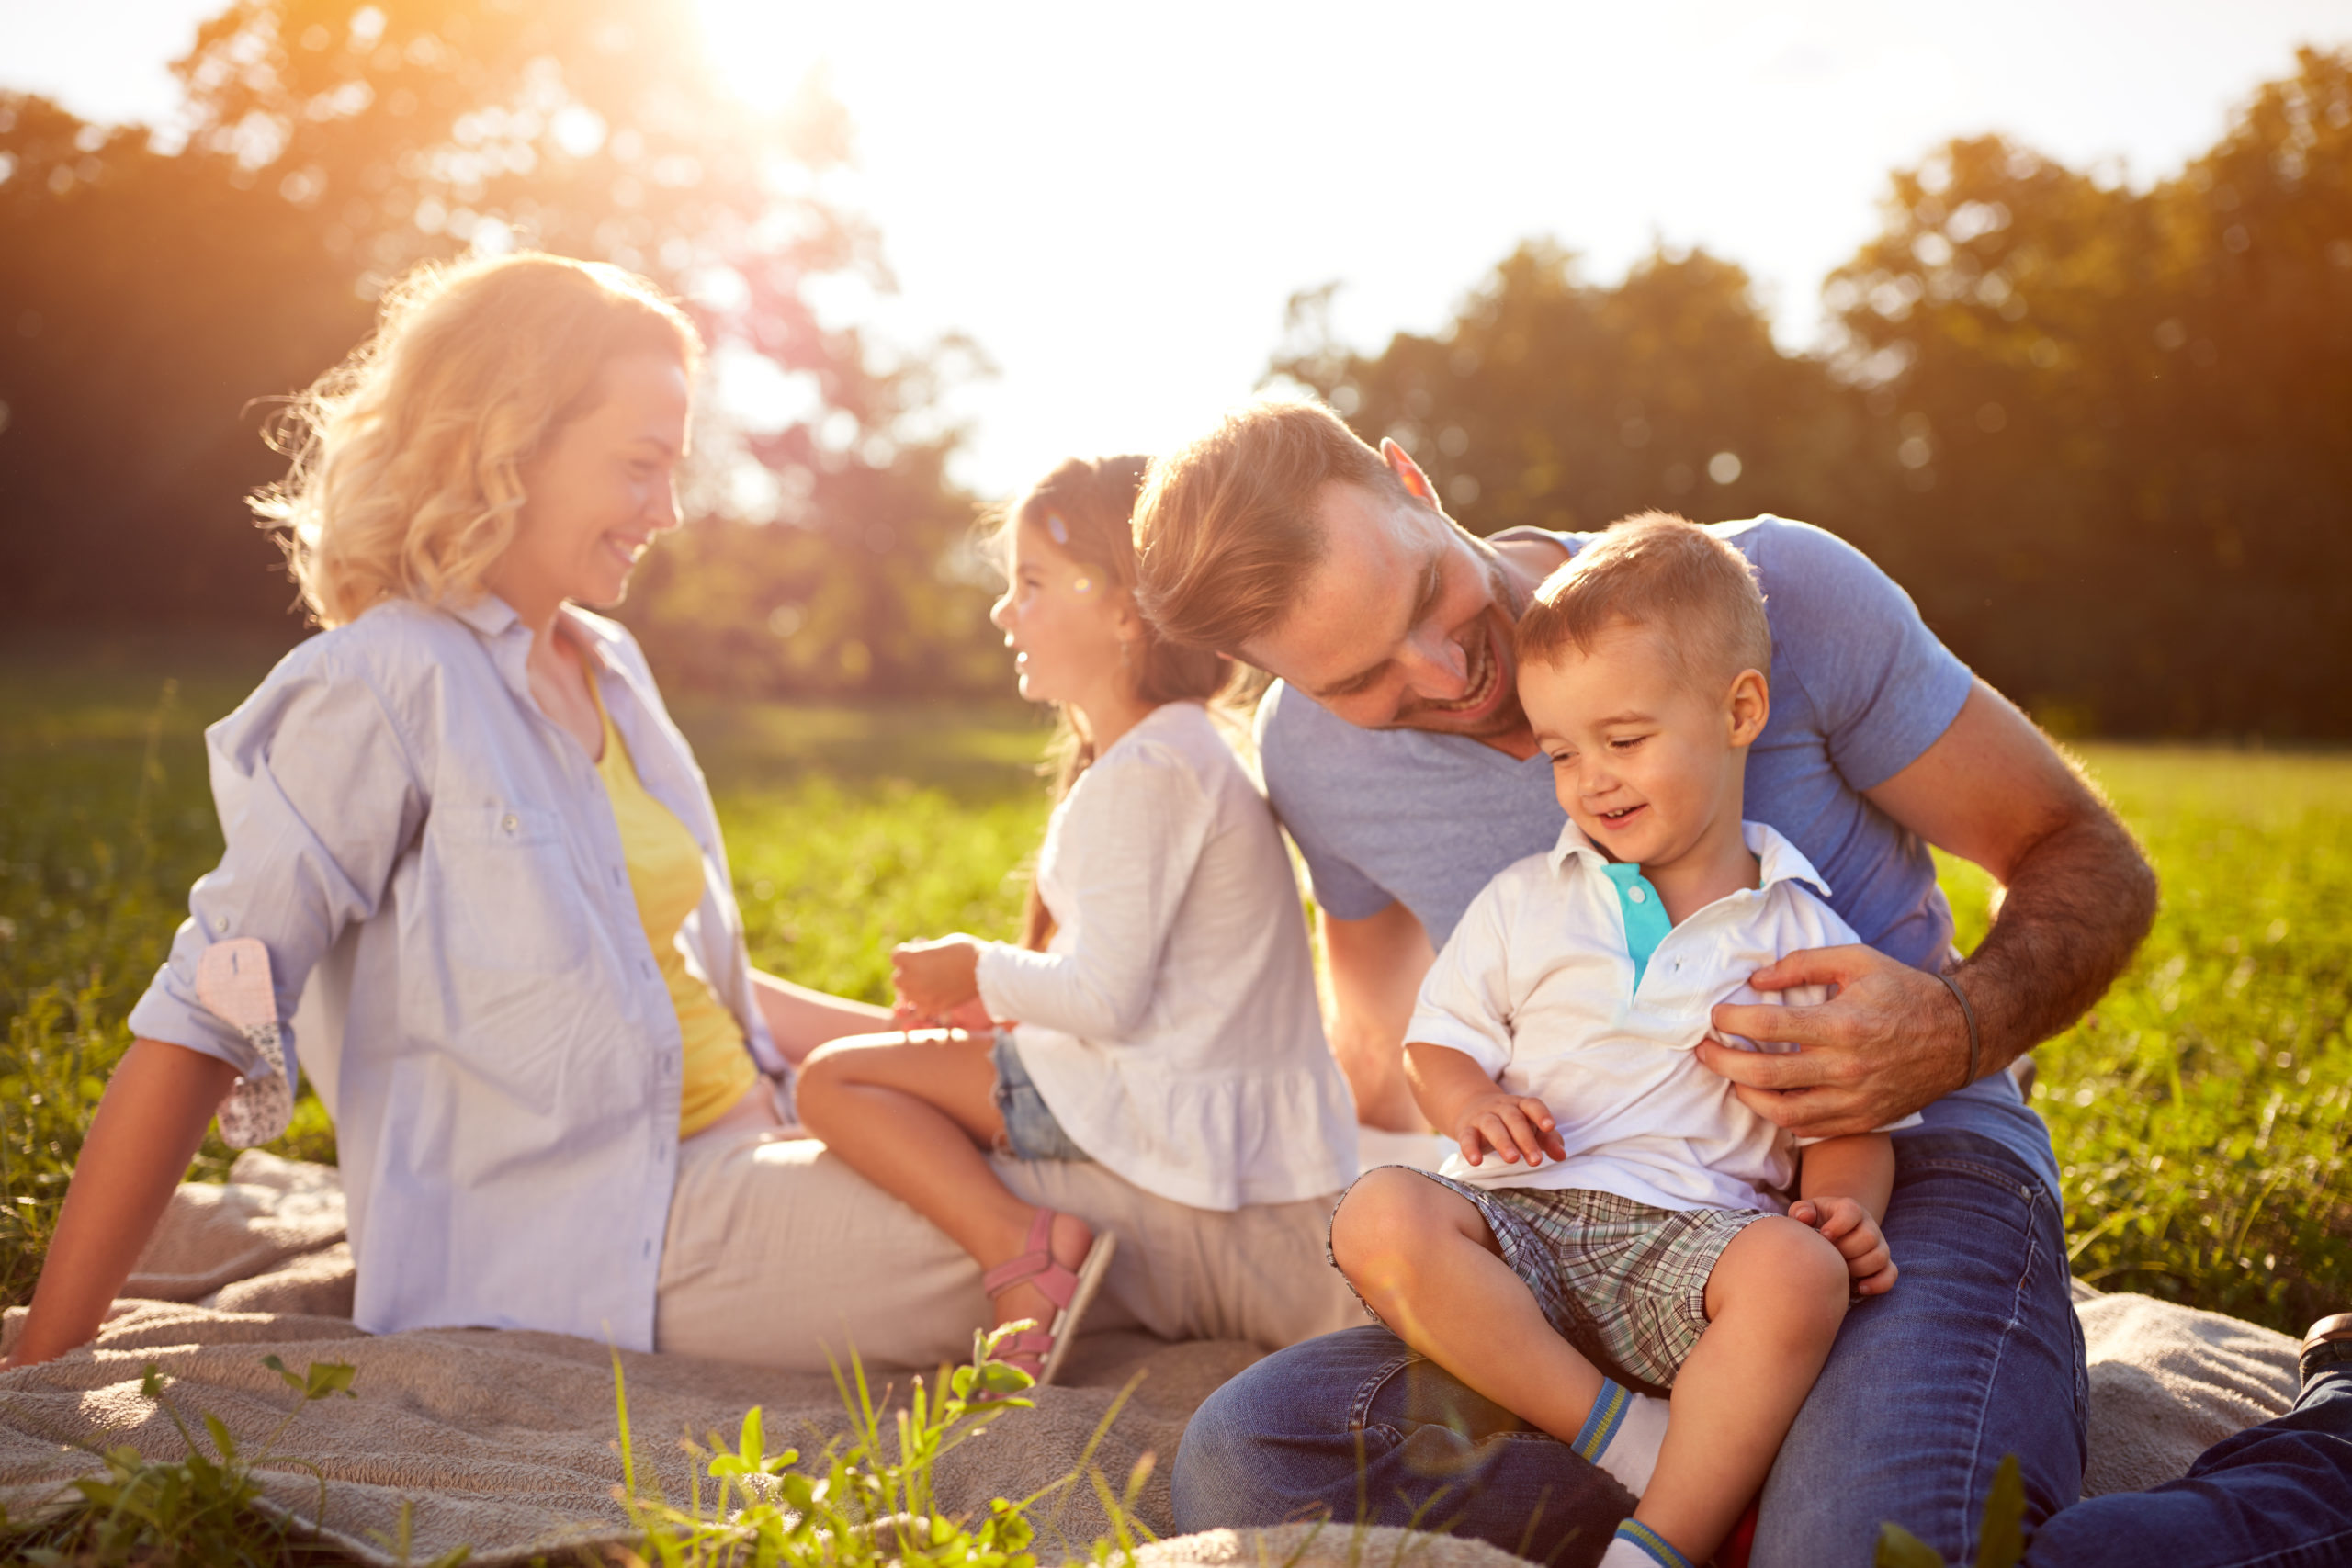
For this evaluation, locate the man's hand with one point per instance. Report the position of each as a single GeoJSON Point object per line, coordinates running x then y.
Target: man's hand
{"type": "Point", "coordinates": [934, 979]}
{"type": "Point", "coordinates": [1516, 1126]}
{"type": "Point", "coordinates": [1890, 1041]}
{"type": "Point", "coordinates": [1847, 1227]}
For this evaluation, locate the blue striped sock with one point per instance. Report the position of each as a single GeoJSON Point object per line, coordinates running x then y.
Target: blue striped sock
{"type": "Point", "coordinates": [1650, 1541]}
{"type": "Point", "coordinates": [1607, 1415]}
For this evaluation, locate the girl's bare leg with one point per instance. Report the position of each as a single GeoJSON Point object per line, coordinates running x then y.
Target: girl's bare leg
{"type": "Point", "coordinates": [914, 1117]}
{"type": "Point", "coordinates": [1774, 1303]}
{"type": "Point", "coordinates": [1425, 1261]}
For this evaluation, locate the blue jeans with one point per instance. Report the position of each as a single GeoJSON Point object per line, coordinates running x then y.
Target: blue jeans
{"type": "Point", "coordinates": [1976, 1353]}
{"type": "Point", "coordinates": [2276, 1495]}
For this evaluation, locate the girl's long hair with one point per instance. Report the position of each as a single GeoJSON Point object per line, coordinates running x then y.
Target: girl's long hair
{"type": "Point", "coordinates": [406, 480]}
{"type": "Point", "coordinates": [1083, 509]}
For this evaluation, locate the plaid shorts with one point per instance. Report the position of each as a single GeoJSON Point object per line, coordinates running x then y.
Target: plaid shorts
{"type": "Point", "coordinates": [1624, 1282]}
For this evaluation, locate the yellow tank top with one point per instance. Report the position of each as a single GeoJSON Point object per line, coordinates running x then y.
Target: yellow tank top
{"type": "Point", "coordinates": [665, 872]}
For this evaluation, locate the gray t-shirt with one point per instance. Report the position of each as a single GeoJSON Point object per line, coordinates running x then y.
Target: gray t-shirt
{"type": "Point", "coordinates": [1860, 689]}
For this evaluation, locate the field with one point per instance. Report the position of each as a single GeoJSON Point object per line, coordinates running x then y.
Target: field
{"type": "Point", "coordinates": [2198, 1113]}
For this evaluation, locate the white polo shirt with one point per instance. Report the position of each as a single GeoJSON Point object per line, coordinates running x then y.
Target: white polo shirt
{"type": "Point", "coordinates": [1565, 981]}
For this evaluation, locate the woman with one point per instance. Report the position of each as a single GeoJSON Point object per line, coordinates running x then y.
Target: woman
{"type": "Point", "coordinates": [466, 832]}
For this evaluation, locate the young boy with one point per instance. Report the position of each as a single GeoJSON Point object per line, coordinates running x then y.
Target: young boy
{"type": "Point", "coordinates": [1610, 1192]}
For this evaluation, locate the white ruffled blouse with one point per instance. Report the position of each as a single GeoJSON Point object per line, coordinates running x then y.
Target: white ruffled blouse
{"type": "Point", "coordinates": [1172, 1023]}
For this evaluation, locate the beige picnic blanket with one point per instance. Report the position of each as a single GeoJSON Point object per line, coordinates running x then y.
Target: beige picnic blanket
{"type": "Point", "coordinates": [506, 1440]}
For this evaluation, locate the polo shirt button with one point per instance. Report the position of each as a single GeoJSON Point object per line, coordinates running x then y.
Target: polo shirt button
{"type": "Point", "coordinates": [1636, 896]}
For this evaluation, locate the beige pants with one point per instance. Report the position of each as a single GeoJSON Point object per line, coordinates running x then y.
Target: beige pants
{"type": "Point", "coordinates": [777, 1251]}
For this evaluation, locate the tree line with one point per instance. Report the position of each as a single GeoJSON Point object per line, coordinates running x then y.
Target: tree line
{"type": "Point", "coordinates": [158, 293]}
{"type": "Point", "coordinates": [2102, 434]}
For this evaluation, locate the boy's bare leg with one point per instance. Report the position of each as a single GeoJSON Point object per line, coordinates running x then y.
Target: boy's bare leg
{"type": "Point", "coordinates": [1774, 1303]}
{"type": "Point", "coordinates": [1425, 1261]}
{"type": "Point", "coordinates": [912, 1116]}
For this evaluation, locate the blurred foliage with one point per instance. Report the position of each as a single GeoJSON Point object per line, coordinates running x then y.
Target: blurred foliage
{"type": "Point", "coordinates": [2198, 1110]}
{"type": "Point", "coordinates": [154, 297]}
{"type": "Point", "coordinates": [2103, 435]}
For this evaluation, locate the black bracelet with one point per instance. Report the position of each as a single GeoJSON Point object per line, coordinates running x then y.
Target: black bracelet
{"type": "Point", "coordinates": [1976, 1040]}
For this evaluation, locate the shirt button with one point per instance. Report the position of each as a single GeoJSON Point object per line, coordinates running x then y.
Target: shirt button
{"type": "Point", "coordinates": [220, 924]}
{"type": "Point", "coordinates": [508, 822]}
{"type": "Point", "coordinates": [1636, 896]}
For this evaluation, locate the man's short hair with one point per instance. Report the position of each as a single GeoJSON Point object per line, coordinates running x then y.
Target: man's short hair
{"type": "Point", "coordinates": [1226, 529]}
{"type": "Point", "coordinates": [1660, 571]}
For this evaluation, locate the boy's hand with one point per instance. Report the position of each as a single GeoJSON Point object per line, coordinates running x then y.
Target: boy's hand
{"type": "Point", "coordinates": [934, 979]}
{"type": "Point", "coordinates": [1846, 1225]}
{"type": "Point", "coordinates": [1518, 1127]}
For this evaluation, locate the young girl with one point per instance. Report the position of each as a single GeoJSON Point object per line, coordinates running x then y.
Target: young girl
{"type": "Point", "coordinates": [1167, 1026]}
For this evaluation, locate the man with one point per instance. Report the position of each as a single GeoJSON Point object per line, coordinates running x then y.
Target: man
{"type": "Point", "coordinates": [1398, 756]}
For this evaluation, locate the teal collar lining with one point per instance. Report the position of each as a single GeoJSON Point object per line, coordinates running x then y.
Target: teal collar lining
{"type": "Point", "coordinates": [1645, 918]}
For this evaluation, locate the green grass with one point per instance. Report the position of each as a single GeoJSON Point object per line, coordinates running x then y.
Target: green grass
{"type": "Point", "coordinates": [2198, 1113]}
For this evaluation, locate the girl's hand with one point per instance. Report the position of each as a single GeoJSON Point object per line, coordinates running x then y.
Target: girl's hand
{"type": "Point", "coordinates": [972, 1018]}
{"type": "Point", "coordinates": [1515, 1126]}
{"type": "Point", "coordinates": [934, 979]}
{"type": "Point", "coordinates": [1846, 1225]}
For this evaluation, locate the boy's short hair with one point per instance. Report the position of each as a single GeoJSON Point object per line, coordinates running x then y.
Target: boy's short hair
{"type": "Point", "coordinates": [1656, 569]}
{"type": "Point", "coordinates": [1225, 528]}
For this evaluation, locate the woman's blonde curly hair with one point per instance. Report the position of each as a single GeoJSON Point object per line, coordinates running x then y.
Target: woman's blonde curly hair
{"type": "Point", "coordinates": [407, 457]}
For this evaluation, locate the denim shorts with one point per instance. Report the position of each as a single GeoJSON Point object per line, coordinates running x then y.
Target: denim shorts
{"type": "Point", "coordinates": [1031, 1129]}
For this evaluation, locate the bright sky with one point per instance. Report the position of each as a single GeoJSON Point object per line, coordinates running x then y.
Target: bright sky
{"type": "Point", "coordinates": [1115, 200]}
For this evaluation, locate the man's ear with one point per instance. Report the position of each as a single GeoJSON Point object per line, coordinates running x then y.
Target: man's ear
{"type": "Point", "coordinates": [1748, 707]}
{"type": "Point", "coordinates": [1400, 463]}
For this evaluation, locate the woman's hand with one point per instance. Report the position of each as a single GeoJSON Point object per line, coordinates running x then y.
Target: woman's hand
{"type": "Point", "coordinates": [1516, 1126]}
{"type": "Point", "coordinates": [1847, 1227]}
{"type": "Point", "coordinates": [934, 979]}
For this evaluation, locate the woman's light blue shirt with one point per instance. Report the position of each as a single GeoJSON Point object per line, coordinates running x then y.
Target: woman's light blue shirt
{"type": "Point", "coordinates": [434, 866]}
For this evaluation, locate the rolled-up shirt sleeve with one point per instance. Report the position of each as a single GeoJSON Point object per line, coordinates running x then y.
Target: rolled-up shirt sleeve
{"type": "Point", "coordinates": [1466, 1002]}
{"type": "Point", "coordinates": [1132, 833]}
{"type": "Point", "coordinates": [317, 796]}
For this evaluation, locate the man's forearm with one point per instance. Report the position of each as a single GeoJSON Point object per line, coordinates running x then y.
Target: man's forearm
{"type": "Point", "coordinates": [1374, 966]}
{"type": "Point", "coordinates": [2078, 904]}
{"type": "Point", "coordinates": [1374, 1069]}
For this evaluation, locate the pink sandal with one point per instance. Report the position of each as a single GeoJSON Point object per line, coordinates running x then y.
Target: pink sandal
{"type": "Point", "coordinates": [1039, 1352]}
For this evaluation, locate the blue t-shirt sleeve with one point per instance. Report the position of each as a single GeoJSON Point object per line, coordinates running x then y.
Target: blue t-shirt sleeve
{"type": "Point", "coordinates": [1883, 687]}
{"type": "Point", "coordinates": [1303, 795]}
